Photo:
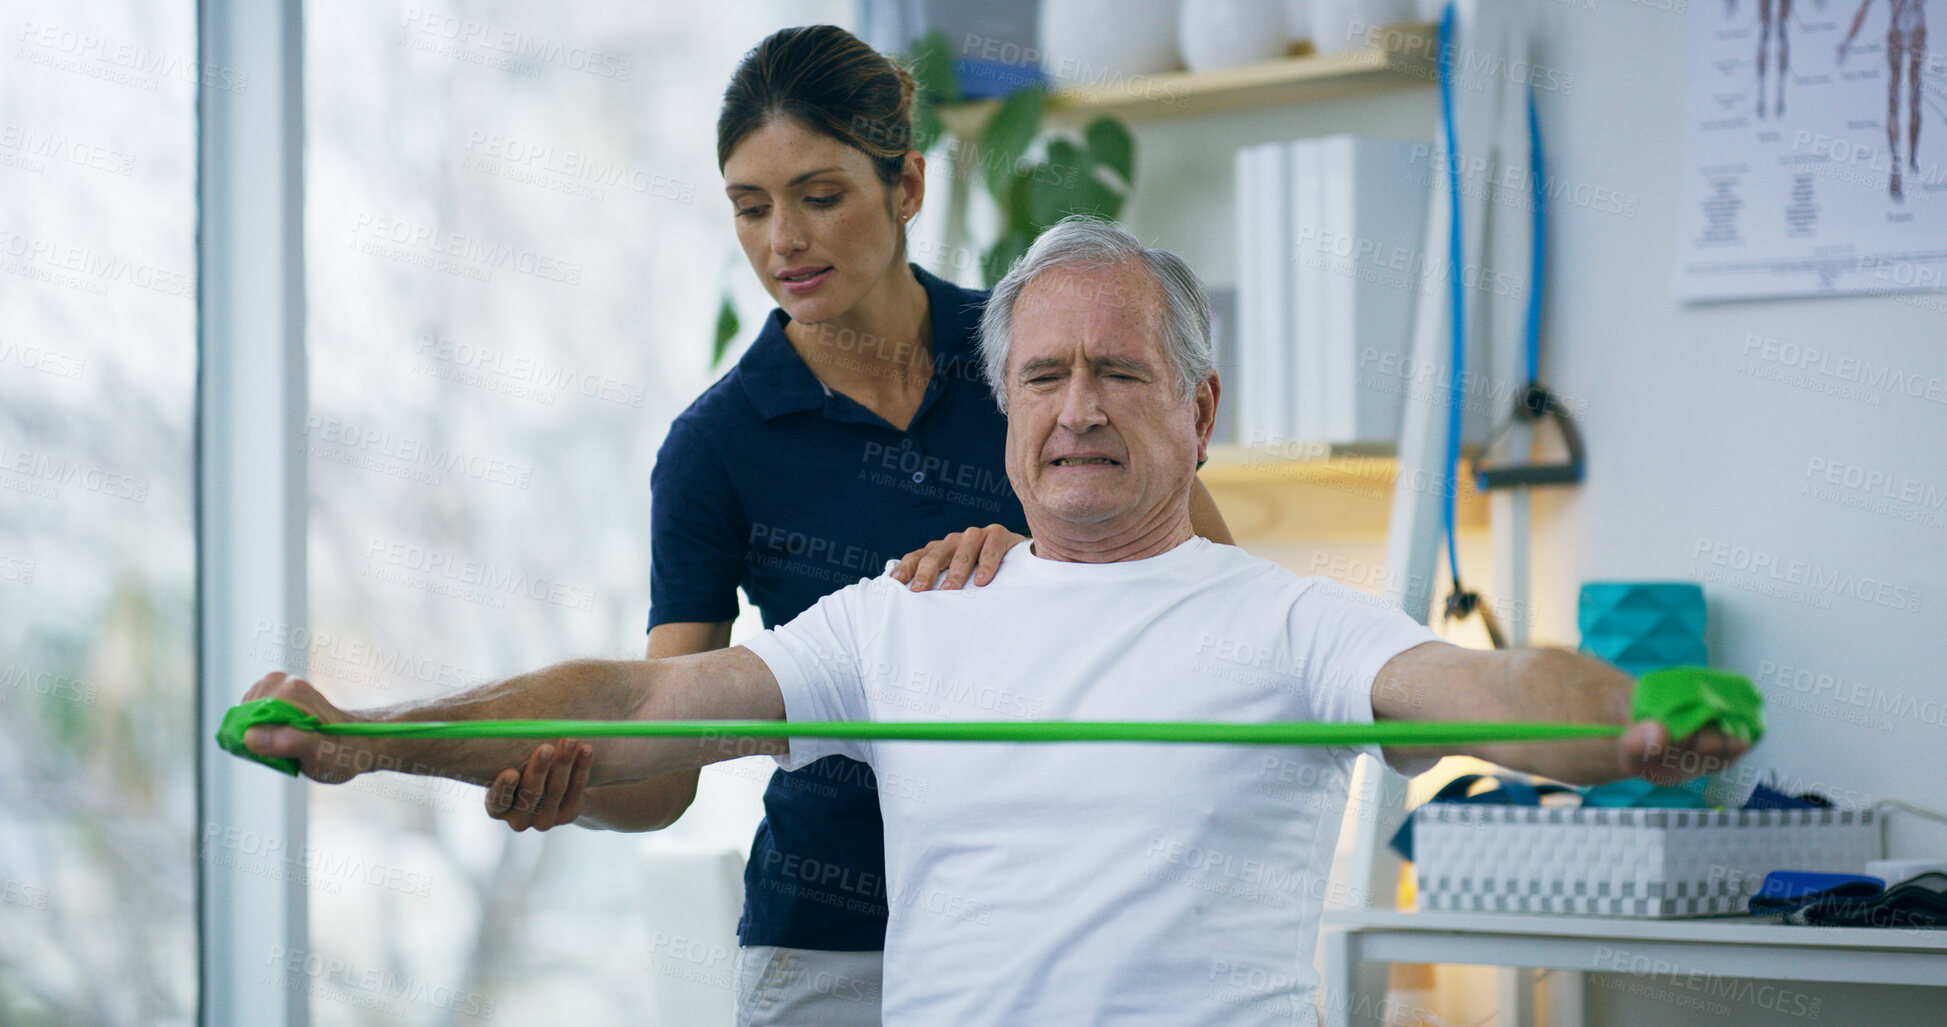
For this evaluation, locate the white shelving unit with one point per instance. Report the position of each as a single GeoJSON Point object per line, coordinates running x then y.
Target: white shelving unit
{"type": "Point", "coordinates": [1301, 492]}
{"type": "Point", "coordinates": [1403, 63]}
{"type": "Point", "coordinates": [1358, 945]}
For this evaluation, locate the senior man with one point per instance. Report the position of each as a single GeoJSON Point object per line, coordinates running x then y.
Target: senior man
{"type": "Point", "coordinates": [1124, 882]}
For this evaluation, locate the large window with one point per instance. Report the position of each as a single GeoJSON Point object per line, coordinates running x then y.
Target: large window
{"type": "Point", "coordinates": [97, 385]}
{"type": "Point", "coordinates": [516, 244]}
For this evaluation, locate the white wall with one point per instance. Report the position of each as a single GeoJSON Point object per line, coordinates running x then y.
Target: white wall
{"type": "Point", "coordinates": [1692, 442]}
{"type": "Point", "coordinates": [1691, 445]}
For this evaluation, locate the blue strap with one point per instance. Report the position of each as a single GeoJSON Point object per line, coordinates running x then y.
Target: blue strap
{"type": "Point", "coordinates": [1789, 889]}
{"type": "Point", "coordinates": [1536, 262]}
{"type": "Point", "coordinates": [1456, 286]}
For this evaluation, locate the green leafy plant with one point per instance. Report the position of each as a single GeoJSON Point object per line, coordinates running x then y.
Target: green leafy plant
{"type": "Point", "coordinates": [931, 65]}
{"type": "Point", "coordinates": [1088, 175]}
{"type": "Point", "coordinates": [727, 325]}
{"type": "Point", "coordinates": [1091, 174]}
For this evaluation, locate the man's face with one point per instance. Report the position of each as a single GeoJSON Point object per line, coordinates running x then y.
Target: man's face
{"type": "Point", "coordinates": [1099, 443]}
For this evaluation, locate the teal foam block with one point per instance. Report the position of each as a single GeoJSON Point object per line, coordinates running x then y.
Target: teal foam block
{"type": "Point", "coordinates": [1642, 626]}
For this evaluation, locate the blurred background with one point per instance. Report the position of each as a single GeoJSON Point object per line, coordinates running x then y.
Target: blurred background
{"type": "Point", "coordinates": [504, 414]}
{"type": "Point", "coordinates": [517, 264]}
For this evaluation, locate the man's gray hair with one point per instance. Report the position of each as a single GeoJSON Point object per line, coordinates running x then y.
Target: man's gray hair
{"type": "Point", "coordinates": [1080, 241]}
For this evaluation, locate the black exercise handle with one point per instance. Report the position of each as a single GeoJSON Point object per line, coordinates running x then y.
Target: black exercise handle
{"type": "Point", "coordinates": [1535, 403]}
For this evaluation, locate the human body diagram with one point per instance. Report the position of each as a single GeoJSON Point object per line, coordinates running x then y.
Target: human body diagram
{"type": "Point", "coordinates": [1906, 53]}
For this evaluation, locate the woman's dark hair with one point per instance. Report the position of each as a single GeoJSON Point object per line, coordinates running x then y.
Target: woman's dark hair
{"type": "Point", "coordinates": [829, 81]}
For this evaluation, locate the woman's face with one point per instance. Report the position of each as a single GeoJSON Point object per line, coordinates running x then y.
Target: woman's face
{"type": "Point", "coordinates": [819, 227]}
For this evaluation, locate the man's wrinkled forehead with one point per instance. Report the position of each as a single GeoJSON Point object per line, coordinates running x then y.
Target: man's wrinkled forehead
{"type": "Point", "coordinates": [1112, 312]}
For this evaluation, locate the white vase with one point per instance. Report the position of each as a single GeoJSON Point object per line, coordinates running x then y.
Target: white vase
{"type": "Point", "coordinates": [1225, 33]}
{"type": "Point", "coordinates": [1106, 43]}
{"type": "Point", "coordinates": [1339, 26]}
{"type": "Point", "coordinates": [1298, 20]}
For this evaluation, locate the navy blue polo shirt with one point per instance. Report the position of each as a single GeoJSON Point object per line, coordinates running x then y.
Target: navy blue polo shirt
{"type": "Point", "coordinates": [772, 483]}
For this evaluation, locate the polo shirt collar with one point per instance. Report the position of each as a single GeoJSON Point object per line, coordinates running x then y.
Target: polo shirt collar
{"type": "Point", "coordinates": [778, 382]}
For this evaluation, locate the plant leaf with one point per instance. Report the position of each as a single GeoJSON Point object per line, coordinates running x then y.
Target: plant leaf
{"type": "Point", "coordinates": [935, 85]}
{"type": "Point", "coordinates": [727, 325]}
{"type": "Point", "coordinates": [1017, 212]}
{"type": "Point", "coordinates": [932, 68]}
{"type": "Point", "coordinates": [1063, 152]}
{"type": "Point", "coordinates": [1093, 196]}
{"type": "Point", "coordinates": [1007, 137]}
{"type": "Point", "coordinates": [1046, 197]}
{"type": "Point", "coordinates": [1054, 185]}
{"type": "Point", "coordinates": [1111, 145]}
{"type": "Point", "coordinates": [927, 125]}
{"type": "Point", "coordinates": [1002, 255]}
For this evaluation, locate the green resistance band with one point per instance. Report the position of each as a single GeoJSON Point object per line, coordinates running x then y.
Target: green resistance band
{"type": "Point", "coordinates": [276, 712]}
{"type": "Point", "coordinates": [1684, 699]}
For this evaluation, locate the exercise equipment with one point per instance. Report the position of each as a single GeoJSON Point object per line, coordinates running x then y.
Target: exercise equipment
{"type": "Point", "coordinates": [275, 712]}
{"type": "Point", "coordinates": [1671, 695]}
{"type": "Point", "coordinates": [1684, 699]}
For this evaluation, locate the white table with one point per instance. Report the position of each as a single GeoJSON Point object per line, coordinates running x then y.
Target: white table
{"type": "Point", "coordinates": [1358, 945]}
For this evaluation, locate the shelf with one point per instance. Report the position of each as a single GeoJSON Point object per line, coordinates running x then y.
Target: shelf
{"type": "Point", "coordinates": [1313, 491]}
{"type": "Point", "coordinates": [1696, 950]}
{"type": "Point", "coordinates": [1733, 930]}
{"type": "Point", "coordinates": [1406, 61]}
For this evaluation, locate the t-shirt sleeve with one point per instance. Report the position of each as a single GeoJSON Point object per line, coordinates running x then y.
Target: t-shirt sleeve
{"type": "Point", "coordinates": [697, 533]}
{"type": "Point", "coordinates": [1342, 637]}
{"type": "Point", "coordinates": [815, 657]}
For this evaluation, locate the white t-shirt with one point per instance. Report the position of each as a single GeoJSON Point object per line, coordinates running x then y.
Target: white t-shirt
{"type": "Point", "coordinates": [1084, 883]}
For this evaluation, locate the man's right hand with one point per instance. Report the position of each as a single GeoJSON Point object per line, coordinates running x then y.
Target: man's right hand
{"type": "Point", "coordinates": [545, 793]}
{"type": "Point", "coordinates": [329, 760]}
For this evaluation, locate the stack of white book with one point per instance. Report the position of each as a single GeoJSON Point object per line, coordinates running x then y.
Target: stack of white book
{"type": "Point", "coordinates": [1329, 262]}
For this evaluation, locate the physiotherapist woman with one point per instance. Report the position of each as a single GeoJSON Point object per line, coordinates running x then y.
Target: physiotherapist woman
{"type": "Point", "coordinates": [855, 429]}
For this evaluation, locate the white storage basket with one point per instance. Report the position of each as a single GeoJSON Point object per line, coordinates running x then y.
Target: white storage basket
{"type": "Point", "coordinates": [1624, 862]}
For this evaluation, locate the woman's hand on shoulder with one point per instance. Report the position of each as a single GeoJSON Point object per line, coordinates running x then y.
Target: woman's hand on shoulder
{"type": "Point", "coordinates": [974, 553]}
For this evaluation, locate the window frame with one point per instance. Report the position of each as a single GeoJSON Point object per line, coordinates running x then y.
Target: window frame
{"type": "Point", "coordinates": [252, 495]}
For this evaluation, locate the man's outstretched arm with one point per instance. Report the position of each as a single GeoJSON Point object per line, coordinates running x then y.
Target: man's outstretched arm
{"type": "Point", "coordinates": [1438, 681]}
{"type": "Point", "coordinates": [727, 684]}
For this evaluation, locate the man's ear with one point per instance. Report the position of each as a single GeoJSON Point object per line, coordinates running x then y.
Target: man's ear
{"type": "Point", "coordinates": [1208, 391]}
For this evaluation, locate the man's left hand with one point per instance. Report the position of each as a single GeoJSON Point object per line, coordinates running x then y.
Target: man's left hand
{"type": "Point", "coordinates": [1646, 751]}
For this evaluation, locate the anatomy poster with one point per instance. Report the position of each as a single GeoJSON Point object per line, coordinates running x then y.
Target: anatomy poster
{"type": "Point", "coordinates": [1816, 149]}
